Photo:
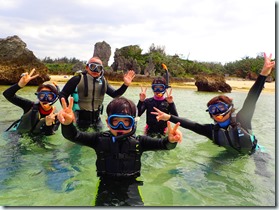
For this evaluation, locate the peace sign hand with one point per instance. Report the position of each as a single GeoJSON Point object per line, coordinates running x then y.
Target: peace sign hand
{"type": "Point", "coordinates": [160, 115]}
{"type": "Point", "coordinates": [66, 116]}
{"type": "Point", "coordinates": [142, 95]}
{"type": "Point", "coordinates": [268, 65]}
{"type": "Point", "coordinates": [169, 97]}
{"type": "Point", "coordinates": [174, 135]}
{"type": "Point", "coordinates": [50, 119]}
{"type": "Point", "coordinates": [25, 78]}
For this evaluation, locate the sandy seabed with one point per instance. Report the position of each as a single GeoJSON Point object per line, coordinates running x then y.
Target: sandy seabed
{"type": "Point", "coordinates": [236, 84]}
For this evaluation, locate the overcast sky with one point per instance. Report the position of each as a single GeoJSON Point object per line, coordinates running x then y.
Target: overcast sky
{"type": "Point", "coordinates": [202, 30]}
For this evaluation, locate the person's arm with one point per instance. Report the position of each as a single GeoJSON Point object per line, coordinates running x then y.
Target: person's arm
{"type": "Point", "coordinates": [10, 95]}
{"type": "Point", "coordinates": [128, 78]}
{"type": "Point", "coordinates": [172, 109]}
{"type": "Point", "coordinates": [69, 87]}
{"type": "Point", "coordinates": [244, 116]}
{"type": "Point", "coordinates": [202, 129]}
{"type": "Point", "coordinates": [152, 144]}
{"type": "Point", "coordinates": [71, 133]}
{"type": "Point", "coordinates": [141, 107]}
{"type": "Point", "coordinates": [167, 143]}
{"type": "Point", "coordinates": [205, 129]}
{"type": "Point", "coordinates": [116, 93]}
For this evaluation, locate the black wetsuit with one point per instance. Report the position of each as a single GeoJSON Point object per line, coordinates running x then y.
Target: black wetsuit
{"type": "Point", "coordinates": [244, 116]}
{"type": "Point", "coordinates": [153, 126]}
{"type": "Point", "coordinates": [118, 163]}
{"type": "Point", "coordinates": [27, 105]}
{"type": "Point", "coordinates": [88, 119]}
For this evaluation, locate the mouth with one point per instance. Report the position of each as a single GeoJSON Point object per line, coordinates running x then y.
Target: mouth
{"type": "Point", "coordinates": [119, 133]}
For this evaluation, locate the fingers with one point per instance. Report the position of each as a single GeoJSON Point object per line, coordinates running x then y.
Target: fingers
{"type": "Point", "coordinates": [71, 103]}
{"type": "Point", "coordinates": [170, 92]}
{"type": "Point", "coordinates": [143, 90]}
{"type": "Point", "coordinates": [63, 103]}
{"type": "Point", "coordinates": [32, 71]}
{"type": "Point", "coordinates": [175, 127]}
{"type": "Point", "coordinates": [53, 109]}
{"type": "Point", "coordinates": [60, 117]}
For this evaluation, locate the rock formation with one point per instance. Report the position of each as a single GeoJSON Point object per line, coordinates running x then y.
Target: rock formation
{"type": "Point", "coordinates": [212, 83]}
{"type": "Point", "coordinates": [15, 59]}
{"type": "Point", "coordinates": [123, 62]}
{"type": "Point", "coordinates": [103, 51]}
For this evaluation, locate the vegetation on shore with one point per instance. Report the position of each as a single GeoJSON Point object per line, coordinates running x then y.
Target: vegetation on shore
{"type": "Point", "coordinates": [179, 67]}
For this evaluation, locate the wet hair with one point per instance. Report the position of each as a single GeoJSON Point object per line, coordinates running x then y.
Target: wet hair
{"type": "Point", "coordinates": [221, 98]}
{"type": "Point", "coordinates": [159, 80]}
{"type": "Point", "coordinates": [122, 105]}
{"type": "Point", "coordinates": [52, 86]}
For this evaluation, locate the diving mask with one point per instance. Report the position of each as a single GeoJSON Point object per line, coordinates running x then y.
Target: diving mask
{"type": "Point", "coordinates": [121, 122]}
{"type": "Point", "coordinates": [46, 96]}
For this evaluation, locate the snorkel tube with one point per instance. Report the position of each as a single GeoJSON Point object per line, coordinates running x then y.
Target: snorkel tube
{"type": "Point", "coordinates": [167, 75]}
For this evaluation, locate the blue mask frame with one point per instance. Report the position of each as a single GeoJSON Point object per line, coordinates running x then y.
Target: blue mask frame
{"type": "Point", "coordinates": [159, 88]}
{"type": "Point", "coordinates": [46, 96]}
{"type": "Point", "coordinates": [120, 125]}
{"type": "Point", "coordinates": [219, 108]}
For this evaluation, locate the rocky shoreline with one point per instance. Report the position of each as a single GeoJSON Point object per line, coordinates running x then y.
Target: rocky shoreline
{"type": "Point", "coordinates": [236, 83]}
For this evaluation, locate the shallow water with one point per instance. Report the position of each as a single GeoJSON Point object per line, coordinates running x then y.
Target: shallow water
{"type": "Point", "coordinates": [55, 172]}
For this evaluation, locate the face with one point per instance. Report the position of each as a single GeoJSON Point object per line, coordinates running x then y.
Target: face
{"type": "Point", "coordinates": [92, 63]}
{"type": "Point", "coordinates": [158, 89]}
{"type": "Point", "coordinates": [220, 111]}
{"type": "Point", "coordinates": [45, 105]}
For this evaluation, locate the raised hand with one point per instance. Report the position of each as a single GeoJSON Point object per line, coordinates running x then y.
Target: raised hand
{"type": "Point", "coordinates": [50, 119]}
{"type": "Point", "coordinates": [169, 97]}
{"type": "Point", "coordinates": [268, 65]}
{"type": "Point", "coordinates": [142, 95]}
{"type": "Point", "coordinates": [128, 77]}
{"type": "Point", "coordinates": [174, 135]}
{"type": "Point", "coordinates": [26, 77]}
{"type": "Point", "coordinates": [160, 115]}
{"type": "Point", "coordinates": [66, 116]}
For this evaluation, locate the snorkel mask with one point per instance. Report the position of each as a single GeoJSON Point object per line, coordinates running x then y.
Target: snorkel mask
{"type": "Point", "coordinates": [159, 89]}
{"type": "Point", "coordinates": [95, 67]}
{"type": "Point", "coordinates": [46, 96]}
{"type": "Point", "coordinates": [121, 122]}
{"type": "Point", "coordinates": [219, 108]}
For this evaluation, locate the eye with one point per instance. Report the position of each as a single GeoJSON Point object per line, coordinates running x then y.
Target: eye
{"type": "Point", "coordinates": [50, 97]}
{"type": "Point", "coordinates": [115, 121]}
{"type": "Point", "coordinates": [126, 122]}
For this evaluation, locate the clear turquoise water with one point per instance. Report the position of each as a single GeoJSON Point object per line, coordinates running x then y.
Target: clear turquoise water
{"type": "Point", "coordinates": [56, 172]}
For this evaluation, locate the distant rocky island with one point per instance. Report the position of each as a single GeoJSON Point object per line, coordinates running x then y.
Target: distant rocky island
{"type": "Point", "coordinates": [16, 58]}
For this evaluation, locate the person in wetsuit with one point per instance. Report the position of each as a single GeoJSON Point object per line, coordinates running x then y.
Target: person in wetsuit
{"type": "Point", "coordinates": [230, 130]}
{"type": "Point", "coordinates": [38, 117]}
{"type": "Point", "coordinates": [118, 150]}
{"type": "Point", "coordinates": [165, 104]}
{"type": "Point", "coordinates": [88, 89]}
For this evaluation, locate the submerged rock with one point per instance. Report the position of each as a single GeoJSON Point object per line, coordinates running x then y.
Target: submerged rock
{"type": "Point", "coordinates": [212, 83]}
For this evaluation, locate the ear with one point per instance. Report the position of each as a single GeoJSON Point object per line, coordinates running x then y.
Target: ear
{"type": "Point", "coordinates": [107, 123]}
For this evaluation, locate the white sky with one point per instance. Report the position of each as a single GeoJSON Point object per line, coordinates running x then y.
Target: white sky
{"type": "Point", "coordinates": [202, 30]}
